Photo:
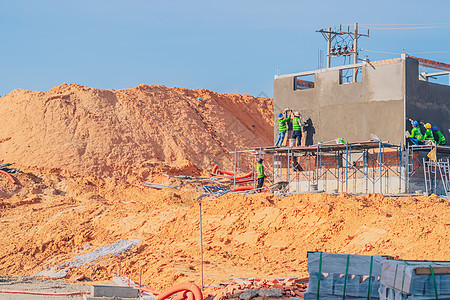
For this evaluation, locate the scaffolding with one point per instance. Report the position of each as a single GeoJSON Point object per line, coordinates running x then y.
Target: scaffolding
{"type": "Point", "coordinates": [432, 176]}
{"type": "Point", "coordinates": [435, 171]}
{"type": "Point", "coordinates": [363, 167]}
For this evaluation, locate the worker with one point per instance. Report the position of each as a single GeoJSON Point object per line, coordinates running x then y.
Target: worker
{"type": "Point", "coordinates": [438, 136]}
{"type": "Point", "coordinates": [297, 129]}
{"type": "Point", "coordinates": [260, 174]}
{"type": "Point", "coordinates": [416, 136]}
{"type": "Point", "coordinates": [281, 129]}
{"type": "Point", "coordinates": [288, 124]}
{"type": "Point", "coordinates": [428, 136]}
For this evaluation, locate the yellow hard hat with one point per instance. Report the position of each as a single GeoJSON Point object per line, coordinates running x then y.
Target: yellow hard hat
{"type": "Point", "coordinates": [428, 126]}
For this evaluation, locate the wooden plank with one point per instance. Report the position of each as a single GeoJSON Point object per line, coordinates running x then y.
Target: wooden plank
{"type": "Point", "coordinates": [436, 270]}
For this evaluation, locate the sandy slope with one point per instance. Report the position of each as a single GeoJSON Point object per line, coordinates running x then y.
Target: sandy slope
{"type": "Point", "coordinates": [86, 131]}
{"type": "Point", "coordinates": [54, 219]}
{"type": "Point", "coordinates": [85, 153]}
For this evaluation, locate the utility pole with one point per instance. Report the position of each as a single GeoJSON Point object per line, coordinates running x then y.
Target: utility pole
{"type": "Point", "coordinates": [355, 45]}
{"type": "Point", "coordinates": [341, 47]}
{"type": "Point", "coordinates": [201, 242]}
{"type": "Point", "coordinates": [329, 48]}
{"type": "Point", "coordinates": [355, 52]}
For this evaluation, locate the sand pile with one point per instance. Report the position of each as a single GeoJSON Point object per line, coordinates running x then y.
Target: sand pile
{"type": "Point", "coordinates": [76, 145]}
{"type": "Point", "coordinates": [86, 131]}
{"type": "Point", "coordinates": [53, 219]}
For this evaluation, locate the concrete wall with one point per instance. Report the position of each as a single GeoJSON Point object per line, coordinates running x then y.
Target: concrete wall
{"type": "Point", "coordinates": [426, 101]}
{"type": "Point", "coordinates": [352, 111]}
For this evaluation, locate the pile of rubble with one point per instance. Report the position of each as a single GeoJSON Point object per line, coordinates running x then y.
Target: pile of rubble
{"type": "Point", "coordinates": [246, 289]}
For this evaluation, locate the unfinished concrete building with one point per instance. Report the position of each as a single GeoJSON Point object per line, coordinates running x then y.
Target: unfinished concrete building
{"type": "Point", "coordinates": [359, 103]}
{"type": "Point", "coordinates": [378, 101]}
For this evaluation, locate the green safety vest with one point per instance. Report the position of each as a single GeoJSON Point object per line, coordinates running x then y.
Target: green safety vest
{"type": "Point", "coordinates": [441, 138]}
{"type": "Point", "coordinates": [428, 135]}
{"type": "Point", "coordinates": [415, 133]}
{"type": "Point", "coordinates": [296, 124]}
{"type": "Point", "coordinates": [282, 124]}
{"type": "Point", "coordinates": [259, 170]}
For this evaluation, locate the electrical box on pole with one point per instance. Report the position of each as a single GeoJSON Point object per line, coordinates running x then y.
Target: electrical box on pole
{"type": "Point", "coordinates": [341, 47]}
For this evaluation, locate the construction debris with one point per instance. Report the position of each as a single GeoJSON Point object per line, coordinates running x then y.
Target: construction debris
{"type": "Point", "coordinates": [212, 191]}
{"type": "Point", "coordinates": [157, 185]}
{"type": "Point", "coordinates": [61, 271]}
{"type": "Point", "coordinates": [8, 171]}
{"type": "Point", "coordinates": [415, 280]}
{"type": "Point", "coordinates": [336, 276]}
{"type": "Point", "coordinates": [340, 276]}
{"type": "Point", "coordinates": [4, 167]}
{"type": "Point", "coordinates": [248, 288]}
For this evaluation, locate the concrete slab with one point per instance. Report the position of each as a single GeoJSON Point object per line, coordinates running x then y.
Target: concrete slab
{"type": "Point", "coordinates": [114, 291]}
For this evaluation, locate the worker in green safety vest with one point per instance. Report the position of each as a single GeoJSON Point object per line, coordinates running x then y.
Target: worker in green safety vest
{"type": "Point", "coordinates": [260, 174]}
{"type": "Point", "coordinates": [297, 129]}
{"type": "Point", "coordinates": [416, 137]}
{"type": "Point", "coordinates": [428, 136]}
{"type": "Point", "coordinates": [281, 129]}
{"type": "Point", "coordinates": [438, 136]}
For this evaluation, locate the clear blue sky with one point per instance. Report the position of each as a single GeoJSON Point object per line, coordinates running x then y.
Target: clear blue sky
{"type": "Point", "coordinates": [225, 46]}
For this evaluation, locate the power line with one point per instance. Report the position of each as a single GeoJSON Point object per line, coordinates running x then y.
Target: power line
{"type": "Point", "coordinates": [375, 51]}
{"type": "Point", "coordinates": [426, 24]}
{"type": "Point", "coordinates": [430, 52]}
{"type": "Point", "coordinates": [396, 53]}
{"type": "Point", "coordinates": [408, 28]}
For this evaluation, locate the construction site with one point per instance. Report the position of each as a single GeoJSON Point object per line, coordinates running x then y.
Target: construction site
{"type": "Point", "coordinates": [152, 192]}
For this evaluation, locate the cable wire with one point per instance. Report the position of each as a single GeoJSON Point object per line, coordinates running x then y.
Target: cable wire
{"type": "Point", "coordinates": [430, 52]}
{"type": "Point", "coordinates": [171, 128]}
{"type": "Point", "coordinates": [401, 53]}
{"type": "Point", "coordinates": [423, 24]}
{"type": "Point", "coordinates": [375, 51]}
{"type": "Point", "coordinates": [409, 28]}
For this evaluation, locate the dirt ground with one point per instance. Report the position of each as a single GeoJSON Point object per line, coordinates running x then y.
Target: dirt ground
{"type": "Point", "coordinates": [243, 236]}
{"type": "Point", "coordinates": [85, 153]}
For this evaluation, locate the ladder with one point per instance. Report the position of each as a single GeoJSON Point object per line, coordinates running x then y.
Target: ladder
{"type": "Point", "coordinates": [431, 170]}
{"type": "Point", "coordinates": [444, 169]}
{"type": "Point", "coordinates": [411, 169]}
{"type": "Point", "coordinates": [427, 172]}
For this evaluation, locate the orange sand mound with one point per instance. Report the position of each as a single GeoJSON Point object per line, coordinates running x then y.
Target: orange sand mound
{"type": "Point", "coordinates": [54, 218]}
{"type": "Point", "coordinates": [87, 131]}
{"type": "Point", "coordinates": [85, 153]}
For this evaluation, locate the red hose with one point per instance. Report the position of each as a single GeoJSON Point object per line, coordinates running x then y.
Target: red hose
{"type": "Point", "coordinates": [214, 170]}
{"type": "Point", "coordinates": [185, 295]}
{"type": "Point", "coordinates": [10, 178]}
{"type": "Point", "coordinates": [240, 177]}
{"type": "Point", "coordinates": [243, 188]}
{"type": "Point", "coordinates": [245, 180]}
{"type": "Point", "coordinates": [147, 290]}
{"type": "Point", "coordinates": [44, 293]}
{"type": "Point", "coordinates": [191, 290]}
{"type": "Point", "coordinates": [225, 173]}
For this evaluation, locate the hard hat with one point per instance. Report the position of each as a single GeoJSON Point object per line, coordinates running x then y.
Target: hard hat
{"type": "Point", "coordinates": [435, 128]}
{"type": "Point", "coordinates": [280, 115]}
{"type": "Point", "coordinates": [297, 114]}
{"type": "Point", "coordinates": [200, 99]}
{"type": "Point", "coordinates": [428, 126]}
{"type": "Point", "coordinates": [415, 123]}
